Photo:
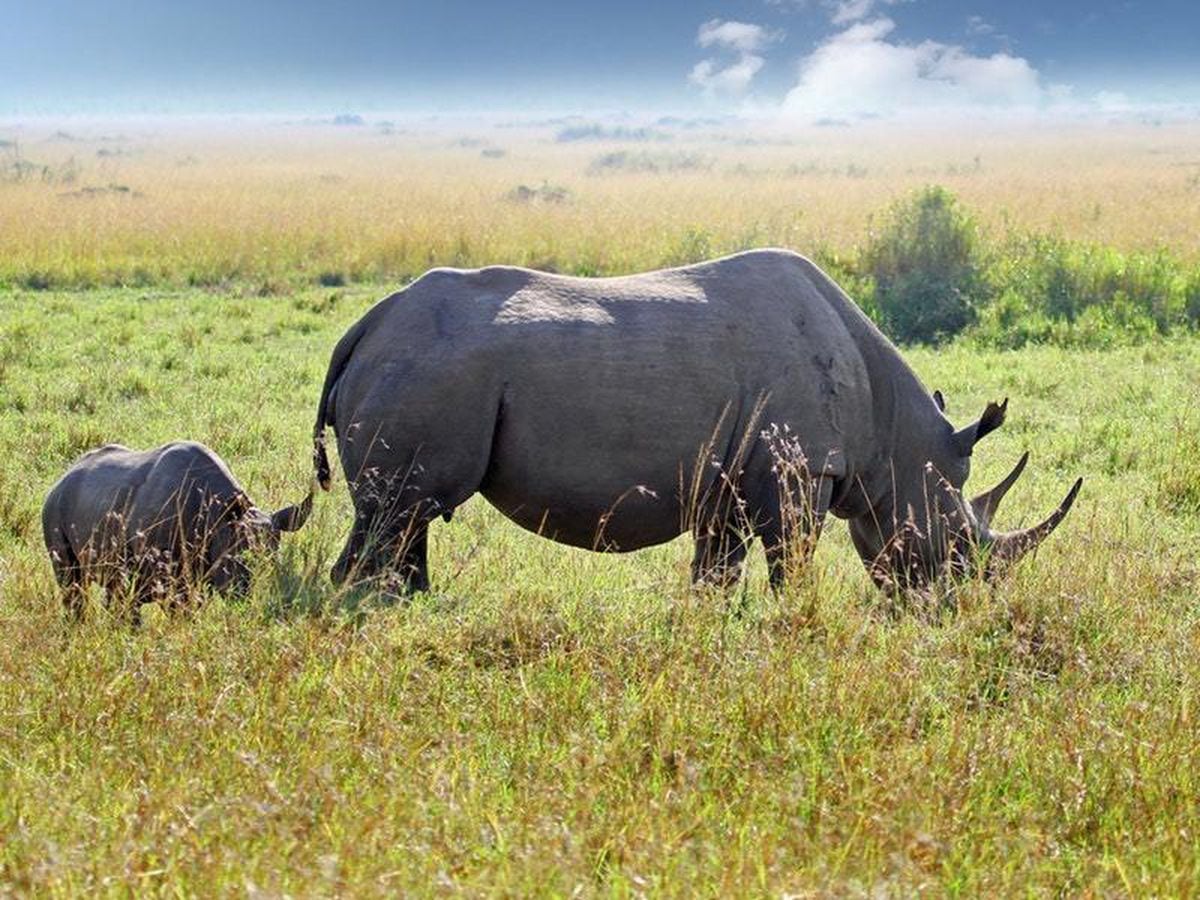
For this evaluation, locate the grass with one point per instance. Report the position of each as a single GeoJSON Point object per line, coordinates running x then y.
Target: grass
{"type": "Point", "coordinates": [549, 721]}
{"type": "Point", "coordinates": [275, 204]}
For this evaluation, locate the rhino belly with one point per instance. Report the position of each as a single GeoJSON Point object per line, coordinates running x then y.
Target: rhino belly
{"type": "Point", "coordinates": [594, 516]}
{"type": "Point", "coordinates": [601, 475]}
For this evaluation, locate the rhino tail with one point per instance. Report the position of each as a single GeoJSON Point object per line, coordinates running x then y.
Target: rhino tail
{"type": "Point", "coordinates": [321, 462]}
{"type": "Point", "coordinates": [320, 455]}
{"type": "Point", "coordinates": [337, 364]}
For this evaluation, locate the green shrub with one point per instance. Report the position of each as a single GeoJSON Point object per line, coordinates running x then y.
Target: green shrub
{"type": "Point", "coordinates": [1101, 327]}
{"type": "Point", "coordinates": [1011, 321]}
{"type": "Point", "coordinates": [1065, 279]}
{"type": "Point", "coordinates": [1191, 299]}
{"type": "Point", "coordinates": [927, 268]}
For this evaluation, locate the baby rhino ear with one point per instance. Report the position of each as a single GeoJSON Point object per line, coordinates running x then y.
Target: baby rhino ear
{"type": "Point", "coordinates": [993, 417]}
{"type": "Point", "coordinates": [292, 518]}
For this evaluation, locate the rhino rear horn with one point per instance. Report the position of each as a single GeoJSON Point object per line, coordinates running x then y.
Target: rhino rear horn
{"type": "Point", "coordinates": [992, 418]}
{"type": "Point", "coordinates": [1010, 546]}
{"type": "Point", "coordinates": [986, 504]}
{"type": "Point", "coordinates": [292, 518]}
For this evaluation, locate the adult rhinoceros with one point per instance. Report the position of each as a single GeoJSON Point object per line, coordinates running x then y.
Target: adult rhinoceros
{"type": "Point", "coordinates": [617, 413]}
{"type": "Point", "coordinates": [158, 520]}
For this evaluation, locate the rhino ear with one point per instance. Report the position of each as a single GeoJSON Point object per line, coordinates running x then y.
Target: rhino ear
{"type": "Point", "coordinates": [993, 417]}
{"type": "Point", "coordinates": [292, 518]}
{"type": "Point", "coordinates": [939, 400]}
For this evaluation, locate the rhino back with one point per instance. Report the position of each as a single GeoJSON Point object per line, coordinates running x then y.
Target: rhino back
{"type": "Point", "coordinates": [579, 390]}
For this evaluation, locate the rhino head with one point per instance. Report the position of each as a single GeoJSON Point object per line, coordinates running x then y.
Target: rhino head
{"type": "Point", "coordinates": [923, 526]}
{"type": "Point", "coordinates": [241, 527]}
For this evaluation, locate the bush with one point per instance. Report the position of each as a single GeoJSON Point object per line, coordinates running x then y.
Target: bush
{"type": "Point", "coordinates": [927, 268]}
{"type": "Point", "coordinates": [1011, 321]}
{"type": "Point", "coordinates": [1191, 300]}
{"type": "Point", "coordinates": [1084, 287]}
{"type": "Point", "coordinates": [847, 271]}
{"type": "Point", "coordinates": [625, 161]}
{"type": "Point", "coordinates": [547, 193]}
{"type": "Point", "coordinates": [1073, 277]}
{"type": "Point", "coordinates": [601, 133]}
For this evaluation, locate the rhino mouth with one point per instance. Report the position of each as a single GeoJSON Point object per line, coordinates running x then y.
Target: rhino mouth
{"type": "Point", "coordinates": [964, 544]}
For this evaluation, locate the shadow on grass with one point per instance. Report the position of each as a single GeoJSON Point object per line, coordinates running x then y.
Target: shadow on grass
{"type": "Point", "coordinates": [299, 592]}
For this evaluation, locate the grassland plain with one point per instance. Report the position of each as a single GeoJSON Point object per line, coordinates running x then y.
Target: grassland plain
{"type": "Point", "coordinates": [278, 203]}
{"type": "Point", "coordinates": [548, 721]}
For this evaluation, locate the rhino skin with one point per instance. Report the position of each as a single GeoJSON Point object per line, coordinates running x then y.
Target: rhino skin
{"type": "Point", "coordinates": [617, 413]}
{"type": "Point", "coordinates": [158, 521]}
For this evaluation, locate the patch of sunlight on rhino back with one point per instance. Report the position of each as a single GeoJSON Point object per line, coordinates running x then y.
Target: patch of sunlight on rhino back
{"type": "Point", "coordinates": [586, 300]}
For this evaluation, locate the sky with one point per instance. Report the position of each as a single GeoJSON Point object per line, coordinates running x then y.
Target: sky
{"type": "Point", "coordinates": [807, 60]}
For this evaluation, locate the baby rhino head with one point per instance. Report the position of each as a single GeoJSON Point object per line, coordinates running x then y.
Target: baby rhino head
{"type": "Point", "coordinates": [241, 528]}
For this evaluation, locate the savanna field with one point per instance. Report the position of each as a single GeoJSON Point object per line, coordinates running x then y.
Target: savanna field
{"type": "Point", "coordinates": [548, 721]}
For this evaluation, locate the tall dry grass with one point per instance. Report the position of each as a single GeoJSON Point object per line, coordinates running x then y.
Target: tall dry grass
{"type": "Point", "coordinates": [152, 202]}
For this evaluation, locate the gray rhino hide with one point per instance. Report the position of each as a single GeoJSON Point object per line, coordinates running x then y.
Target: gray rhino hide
{"type": "Point", "coordinates": [617, 413]}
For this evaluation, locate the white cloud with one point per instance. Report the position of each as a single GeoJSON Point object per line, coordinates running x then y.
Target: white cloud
{"type": "Point", "coordinates": [734, 78]}
{"type": "Point", "coordinates": [851, 10]}
{"type": "Point", "coordinates": [978, 25]}
{"type": "Point", "coordinates": [1112, 101]}
{"type": "Point", "coordinates": [745, 41]}
{"type": "Point", "coordinates": [742, 37]}
{"type": "Point", "coordinates": [843, 12]}
{"type": "Point", "coordinates": [861, 71]}
{"type": "Point", "coordinates": [1059, 92]}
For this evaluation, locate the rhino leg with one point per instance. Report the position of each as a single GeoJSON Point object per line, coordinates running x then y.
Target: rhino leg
{"type": "Point", "coordinates": [386, 541]}
{"type": "Point", "coordinates": [122, 595]}
{"type": "Point", "coordinates": [413, 560]}
{"type": "Point", "coordinates": [74, 590]}
{"type": "Point", "coordinates": [399, 487]}
{"type": "Point", "coordinates": [792, 523]}
{"type": "Point", "coordinates": [348, 562]}
{"type": "Point", "coordinates": [360, 558]}
{"type": "Point", "coordinates": [69, 574]}
{"type": "Point", "coordinates": [719, 555]}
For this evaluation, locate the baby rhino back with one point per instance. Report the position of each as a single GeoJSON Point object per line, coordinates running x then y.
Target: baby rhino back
{"type": "Point", "coordinates": [119, 513]}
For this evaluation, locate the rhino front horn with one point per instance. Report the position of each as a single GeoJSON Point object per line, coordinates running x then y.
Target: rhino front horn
{"type": "Point", "coordinates": [292, 518]}
{"type": "Point", "coordinates": [1008, 547]}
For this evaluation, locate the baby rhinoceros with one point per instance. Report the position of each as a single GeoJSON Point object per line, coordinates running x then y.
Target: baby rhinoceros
{"type": "Point", "coordinates": [156, 523]}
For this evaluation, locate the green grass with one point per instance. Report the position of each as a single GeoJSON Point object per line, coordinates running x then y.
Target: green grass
{"type": "Point", "coordinates": [550, 721]}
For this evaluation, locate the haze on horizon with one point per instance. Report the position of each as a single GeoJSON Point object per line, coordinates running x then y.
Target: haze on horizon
{"type": "Point", "coordinates": [793, 60]}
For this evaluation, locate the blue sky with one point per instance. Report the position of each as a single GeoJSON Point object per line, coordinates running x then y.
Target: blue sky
{"type": "Point", "coordinates": [810, 58]}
